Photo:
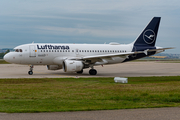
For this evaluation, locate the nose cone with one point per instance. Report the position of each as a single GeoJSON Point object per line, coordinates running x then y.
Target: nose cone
{"type": "Point", "coordinates": [8, 58]}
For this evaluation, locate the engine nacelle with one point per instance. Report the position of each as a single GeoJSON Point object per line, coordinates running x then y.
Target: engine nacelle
{"type": "Point", "coordinates": [54, 67]}
{"type": "Point", "coordinates": [72, 66]}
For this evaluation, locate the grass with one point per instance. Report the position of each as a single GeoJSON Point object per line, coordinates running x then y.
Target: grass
{"type": "Point", "coordinates": [71, 94]}
{"type": "Point", "coordinates": [158, 60]}
{"type": "Point", "coordinates": [3, 62]}
{"type": "Point", "coordinates": [170, 61]}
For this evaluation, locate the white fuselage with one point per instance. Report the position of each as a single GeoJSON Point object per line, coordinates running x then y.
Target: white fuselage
{"type": "Point", "coordinates": [53, 54]}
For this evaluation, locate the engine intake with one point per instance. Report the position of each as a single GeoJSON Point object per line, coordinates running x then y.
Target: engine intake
{"type": "Point", "coordinates": [72, 66]}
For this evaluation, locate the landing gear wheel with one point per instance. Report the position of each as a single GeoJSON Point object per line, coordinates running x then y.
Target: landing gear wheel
{"type": "Point", "coordinates": [92, 72]}
{"type": "Point", "coordinates": [80, 72]}
{"type": "Point", "coordinates": [30, 72]}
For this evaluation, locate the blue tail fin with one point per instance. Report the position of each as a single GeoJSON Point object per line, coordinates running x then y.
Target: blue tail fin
{"type": "Point", "coordinates": [149, 34]}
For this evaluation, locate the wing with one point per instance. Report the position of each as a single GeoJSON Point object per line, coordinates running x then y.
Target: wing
{"type": "Point", "coordinates": [103, 58]}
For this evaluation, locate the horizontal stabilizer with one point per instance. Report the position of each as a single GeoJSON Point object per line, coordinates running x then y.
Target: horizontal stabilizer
{"type": "Point", "coordinates": [161, 49]}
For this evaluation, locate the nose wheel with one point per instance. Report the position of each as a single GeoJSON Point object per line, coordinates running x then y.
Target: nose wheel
{"type": "Point", "coordinates": [31, 70]}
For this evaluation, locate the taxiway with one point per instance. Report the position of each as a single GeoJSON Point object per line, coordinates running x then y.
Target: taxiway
{"type": "Point", "coordinates": [129, 69]}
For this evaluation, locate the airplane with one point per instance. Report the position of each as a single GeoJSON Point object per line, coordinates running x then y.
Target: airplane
{"type": "Point", "coordinates": [76, 57]}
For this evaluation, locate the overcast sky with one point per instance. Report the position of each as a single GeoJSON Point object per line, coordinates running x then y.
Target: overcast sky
{"type": "Point", "coordinates": [87, 21]}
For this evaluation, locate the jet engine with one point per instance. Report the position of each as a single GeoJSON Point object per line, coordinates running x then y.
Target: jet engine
{"type": "Point", "coordinates": [54, 67]}
{"type": "Point", "coordinates": [72, 66]}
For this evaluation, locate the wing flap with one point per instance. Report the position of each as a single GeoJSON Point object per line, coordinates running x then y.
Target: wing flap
{"type": "Point", "coordinates": [108, 56]}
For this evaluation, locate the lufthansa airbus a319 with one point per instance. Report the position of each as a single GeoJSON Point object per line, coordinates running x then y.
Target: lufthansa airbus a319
{"type": "Point", "coordinates": [76, 57]}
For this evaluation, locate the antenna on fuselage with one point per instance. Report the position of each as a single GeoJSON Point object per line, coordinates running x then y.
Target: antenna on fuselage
{"type": "Point", "coordinates": [33, 42]}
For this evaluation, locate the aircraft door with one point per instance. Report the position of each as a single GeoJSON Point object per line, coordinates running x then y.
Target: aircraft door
{"type": "Point", "coordinates": [32, 51]}
{"type": "Point", "coordinates": [77, 52]}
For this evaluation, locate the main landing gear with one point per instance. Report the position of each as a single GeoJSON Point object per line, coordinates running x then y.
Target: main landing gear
{"type": "Point", "coordinates": [92, 71]}
{"type": "Point", "coordinates": [31, 70]}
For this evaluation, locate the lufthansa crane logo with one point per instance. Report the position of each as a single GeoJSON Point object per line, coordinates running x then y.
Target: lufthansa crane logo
{"type": "Point", "coordinates": [149, 36]}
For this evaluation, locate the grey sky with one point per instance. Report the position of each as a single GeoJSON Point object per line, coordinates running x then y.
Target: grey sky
{"type": "Point", "coordinates": [86, 21]}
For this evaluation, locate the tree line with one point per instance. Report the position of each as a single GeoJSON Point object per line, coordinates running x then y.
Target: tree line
{"type": "Point", "coordinates": [2, 54]}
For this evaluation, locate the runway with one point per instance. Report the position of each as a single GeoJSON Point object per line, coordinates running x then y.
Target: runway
{"type": "Point", "coordinates": [129, 69]}
{"type": "Point", "coordinates": [128, 114]}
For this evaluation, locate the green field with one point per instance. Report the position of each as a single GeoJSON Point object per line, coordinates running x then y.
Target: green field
{"type": "Point", "coordinates": [71, 94]}
{"type": "Point", "coordinates": [3, 62]}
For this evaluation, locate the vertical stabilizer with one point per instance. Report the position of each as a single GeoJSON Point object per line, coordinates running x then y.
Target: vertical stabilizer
{"type": "Point", "coordinates": [149, 34]}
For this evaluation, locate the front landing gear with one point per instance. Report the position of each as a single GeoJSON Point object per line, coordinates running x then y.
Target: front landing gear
{"type": "Point", "coordinates": [31, 70]}
{"type": "Point", "coordinates": [92, 72]}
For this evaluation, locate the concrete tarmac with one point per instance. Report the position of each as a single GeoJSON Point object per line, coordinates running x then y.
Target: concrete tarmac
{"type": "Point", "coordinates": [129, 69]}
{"type": "Point", "coordinates": [127, 114]}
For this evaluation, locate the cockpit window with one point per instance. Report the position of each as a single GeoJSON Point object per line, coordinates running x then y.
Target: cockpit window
{"type": "Point", "coordinates": [18, 50]}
